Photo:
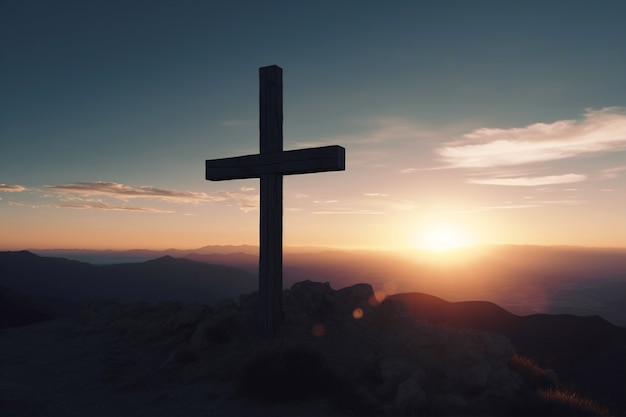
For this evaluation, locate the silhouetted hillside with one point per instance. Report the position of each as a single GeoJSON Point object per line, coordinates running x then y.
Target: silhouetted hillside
{"type": "Point", "coordinates": [589, 352]}
{"type": "Point", "coordinates": [16, 309]}
{"type": "Point", "coordinates": [165, 278]}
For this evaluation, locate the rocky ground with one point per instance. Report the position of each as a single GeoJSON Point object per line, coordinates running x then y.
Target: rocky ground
{"type": "Point", "coordinates": [342, 352]}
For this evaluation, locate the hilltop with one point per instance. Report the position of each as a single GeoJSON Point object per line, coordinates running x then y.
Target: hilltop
{"type": "Point", "coordinates": [338, 352]}
{"type": "Point", "coordinates": [586, 352]}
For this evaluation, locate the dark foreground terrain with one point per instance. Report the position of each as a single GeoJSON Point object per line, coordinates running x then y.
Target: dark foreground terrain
{"type": "Point", "coordinates": [338, 352]}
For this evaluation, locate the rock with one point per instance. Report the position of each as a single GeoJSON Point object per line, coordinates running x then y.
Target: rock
{"type": "Point", "coordinates": [312, 298]}
{"type": "Point", "coordinates": [357, 292]}
{"type": "Point", "coordinates": [476, 378]}
{"type": "Point", "coordinates": [249, 305]}
{"type": "Point", "coordinates": [410, 400]}
{"type": "Point", "coordinates": [393, 313]}
{"type": "Point", "coordinates": [86, 316]}
{"type": "Point", "coordinates": [391, 370]}
{"type": "Point", "coordinates": [188, 315]}
{"type": "Point", "coordinates": [226, 303]}
{"type": "Point", "coordinates": [104, 315]}
{"type": "Point", "coordinates": [218, 326]}
{"type": "Point", "coordinates": [382, 360]}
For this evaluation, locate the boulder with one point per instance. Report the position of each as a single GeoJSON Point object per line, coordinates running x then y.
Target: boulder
{"type": "Point", "coordinates": [410, 400]}
{"type": "Point", "coordinates": [187, 316]}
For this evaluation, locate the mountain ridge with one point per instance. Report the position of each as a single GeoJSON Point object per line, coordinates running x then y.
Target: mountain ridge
{"type": "Point", "coordinates": [156, 280]}
{"type": "Point", "coordinates": [587, 351]}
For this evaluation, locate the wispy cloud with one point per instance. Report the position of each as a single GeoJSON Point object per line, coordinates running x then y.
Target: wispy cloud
{"type": "Point", "coordinates": [599, 131]}
{"type": "Point", "coordinates": [80, 195]}
{"type": "Point", "coordinates": [531, 181]}
{"type": "Point", "coordinates": [535, 204]}
{"type": "Point", "coordinates": [11, 188]}
{"type": "Point", "coordinates": [500, 207]}
{"type": "Point", "coordinates": [614, 172]}
{"type": "Point", "coordinates": [246, 202]}
{"type": "Point", "coordinates": [388, 129]}
{"type": "Point", "coordinates": [378, 130]}
{"type": "Point", "coordinates": [110, 207]}
{"type": "Point", "coordinates": [370, 212]}
{"type": "Point", "coordinates": [126, 191]}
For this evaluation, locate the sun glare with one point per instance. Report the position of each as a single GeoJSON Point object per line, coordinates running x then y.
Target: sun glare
{"type": "Point", "coordinates": [442, 237]}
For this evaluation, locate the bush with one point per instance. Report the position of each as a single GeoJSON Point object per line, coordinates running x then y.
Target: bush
{"type": "Point", "coordinates": [545, 398]}
{"type": "Point", "coordinates": [564, 403]}
{"type": "Point", "coordinates": [532, 374]}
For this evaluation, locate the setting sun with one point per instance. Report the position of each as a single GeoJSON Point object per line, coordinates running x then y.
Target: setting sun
{"type": "Point", "coordinates": [442, 237]}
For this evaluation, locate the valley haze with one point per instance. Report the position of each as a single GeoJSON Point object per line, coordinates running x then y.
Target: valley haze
{"type": "Point", "coordinates": [522, 279]}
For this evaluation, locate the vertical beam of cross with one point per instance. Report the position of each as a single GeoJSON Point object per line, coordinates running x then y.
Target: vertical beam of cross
{"type": "Point", "coordinates": [270, 165]}
{"type": "Point", "coordinates": [271, 205]}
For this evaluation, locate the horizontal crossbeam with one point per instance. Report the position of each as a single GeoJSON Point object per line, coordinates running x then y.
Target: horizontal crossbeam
{"type": "Point", "coordinates": [299, 161]}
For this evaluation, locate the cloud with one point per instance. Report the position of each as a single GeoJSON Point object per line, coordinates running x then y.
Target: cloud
{"type": "Point", "coordinates": [599, 131]}
{"type": "Point", "coordinates": [375, 195]}
{"type": "Point", "coordinates": [392, 129]}
{"type": "Point", "coordinates": [246, 202]}
{"type": "Point", "coordinates": [531, 181]}
{"type": "Point", "coordinates": [491, 208]}
{"type": "Point", "coordinates": [378, 130]}
{"type": "Point", "coordinates": [109, 207]}
{"type": "Point", "coordinates": [572, 202]}
{"type": "Point", "coordinates": [80, 195]}
{"type": "Point", "coordinates": [125, 191]}
{"type": "Point", "coordinates": [611, 173]}
{"type": "Point", "coordinates": [11, 188]}
{"type": "Point", "coordinates": [348, 212]}
{"type": "Point", "coordinates": [22, 204]}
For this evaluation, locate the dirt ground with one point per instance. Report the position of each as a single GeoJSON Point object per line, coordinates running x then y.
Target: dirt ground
{"type": "Point", "coordinates": [55, 369]}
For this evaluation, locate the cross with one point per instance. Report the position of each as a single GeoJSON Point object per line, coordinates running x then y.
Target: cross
{"type": "Point", "coordinates": [270, 165]}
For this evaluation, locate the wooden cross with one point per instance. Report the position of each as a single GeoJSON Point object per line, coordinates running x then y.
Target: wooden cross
{"type": "Point", "coordinates": [270, 165]}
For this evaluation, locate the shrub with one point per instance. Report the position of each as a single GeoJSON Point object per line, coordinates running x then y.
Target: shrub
{"type": "Point", "coordinates": [564, 403]}
{"type": "Point", "coordinates": [532, 374]}
{"type": "Point", "coordinates": [557, 402]}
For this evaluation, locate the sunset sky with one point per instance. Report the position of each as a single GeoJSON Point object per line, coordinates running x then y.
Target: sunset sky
{"type": "Point", "coordinates": [482, 122]}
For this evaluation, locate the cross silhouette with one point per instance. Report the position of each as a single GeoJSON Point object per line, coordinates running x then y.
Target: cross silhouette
{"type": "Point", "coordinates": [270, 165]}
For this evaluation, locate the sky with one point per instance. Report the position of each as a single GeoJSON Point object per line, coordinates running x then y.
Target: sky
{"type": "Point", "coordinates": [464, 123]}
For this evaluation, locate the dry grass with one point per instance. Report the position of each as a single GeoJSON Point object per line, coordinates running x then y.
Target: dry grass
{"type": "Point", "coordinates": [545, 397]}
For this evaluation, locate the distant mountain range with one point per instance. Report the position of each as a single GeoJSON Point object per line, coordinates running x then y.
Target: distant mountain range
{"type": "Point", "coordinates": [523, 279]}
{"type": "Point", "coordinates": [67, 283]}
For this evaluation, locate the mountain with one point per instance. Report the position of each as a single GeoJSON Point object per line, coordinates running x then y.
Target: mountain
{"type": "Point", "coordinates": [161, 279]}
{"type": "Point", "coordinates": [586, 351]}
{"type": "Point", "coordinates": [17, 309]}
{"type": "Point", "coordinates": [177, 359]}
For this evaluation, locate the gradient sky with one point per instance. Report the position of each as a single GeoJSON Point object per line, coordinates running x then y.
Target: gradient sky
{"type": "Point", "coordinates": [504, 121]}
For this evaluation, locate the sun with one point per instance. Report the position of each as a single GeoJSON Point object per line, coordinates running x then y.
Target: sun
{"type": "Point", "coordinates": [442, 237]}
